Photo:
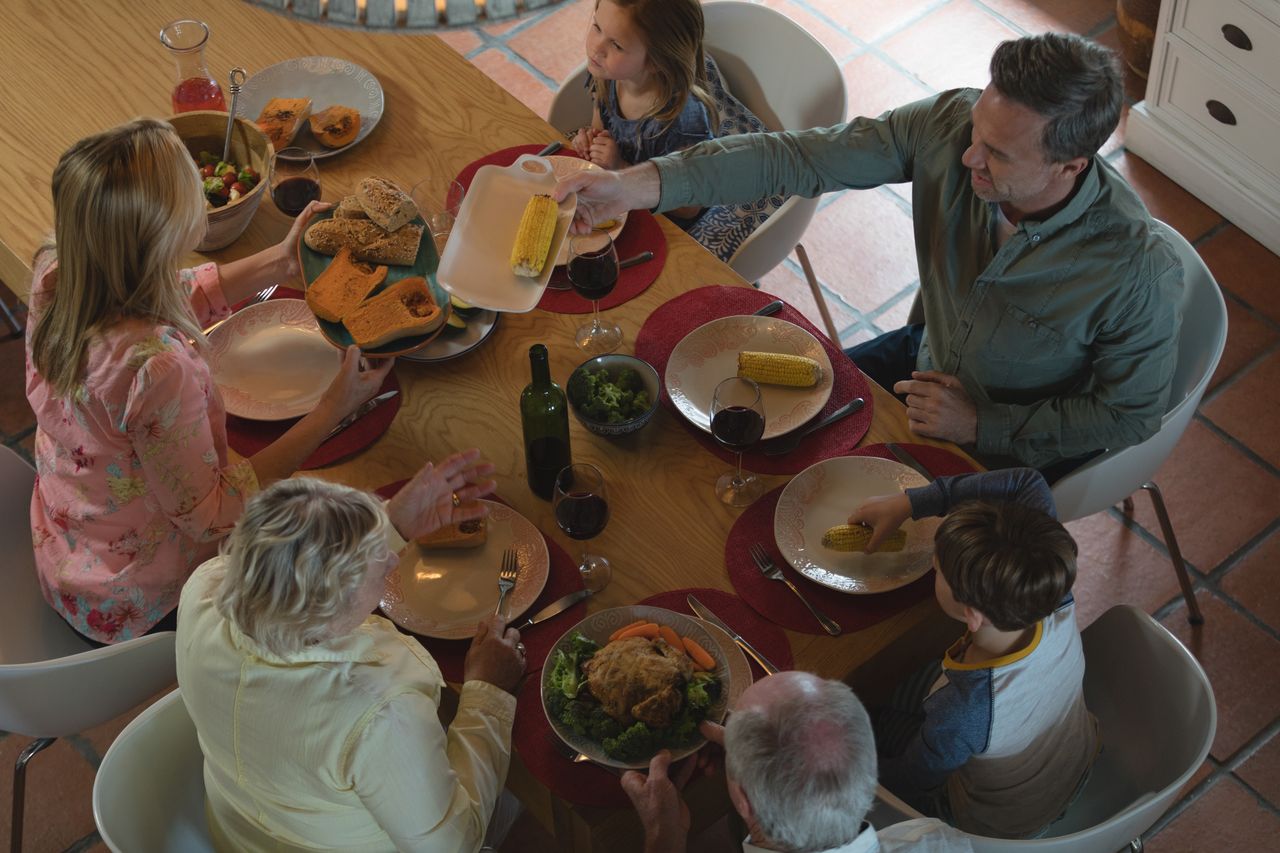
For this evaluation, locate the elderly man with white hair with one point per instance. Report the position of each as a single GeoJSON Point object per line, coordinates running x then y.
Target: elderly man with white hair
{"type": "Point", "coordinates": [800, 765]}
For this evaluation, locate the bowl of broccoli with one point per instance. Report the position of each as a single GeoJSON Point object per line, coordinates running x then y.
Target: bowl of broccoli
{"type": "Point", "coordinates": [613, 394]}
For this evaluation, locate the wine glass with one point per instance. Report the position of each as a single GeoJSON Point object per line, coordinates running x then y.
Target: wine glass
{"type": "Point", "coordinates": [438, 213]}
{"type": "Point", "coordinates": [737, 422]}
{"type": "Point", "coordinates": [295, 180]}
{"type": "Point", "coordinates": [582, 511]}
{"type": "Point", "coordinates": [593, 272]}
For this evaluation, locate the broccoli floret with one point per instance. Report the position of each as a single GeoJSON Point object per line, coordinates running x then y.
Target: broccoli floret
{"type": "Point", "coordinates": [564, 674]}
{"type": "Point", "coordinates": [639, 741]}
{"type": "Point", "coordinates": [587, 717]}
{"type": "Point", "coordinates": [701, 690]}
{"type": "Point", "coordinates": [583, 647]}
{"type": "Point", "coordinates": [609, 399]}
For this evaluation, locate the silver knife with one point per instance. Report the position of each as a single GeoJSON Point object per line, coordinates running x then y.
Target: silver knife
{"type": "Point", "coordinates": [364, 409]}
{"type": "Point", "coordinates": [772, 308]}
{"type": "Point", "coordinates": [789, 442]}
{"type": "Point", "coordinates": [702, 611]}
{"type": "Point", "coordinates": [632, 261]}
{"type": "Point", "coordinates": [550, 149]}
{"type": "Point", "coordinates": [555, 608]}
{"type": "Point", "coordinates": [910, 461]}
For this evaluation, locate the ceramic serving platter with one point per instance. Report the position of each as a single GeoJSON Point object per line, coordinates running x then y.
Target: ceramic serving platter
{"type": "Point", "coordinates": [709, 354]}
{"type": "Point", "coordinates": [270, 361]}
{"type": "Point", "coordinates": [476, 266]}
{"type": "Point", "coordinates": [564, 167]}
{"type": "Point", "coordinates": [732, 670]}
{"type": "Point", "coordinates": [445, 592]}
{"type": "Point", "coordinates": [327, 81]}
{"type": "Point", "coordinates": [822, 496]}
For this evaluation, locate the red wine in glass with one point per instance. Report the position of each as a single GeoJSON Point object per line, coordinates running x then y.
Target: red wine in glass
{"type": "Point", "coordinates": [582, 515]}
{"type": "Point", "coordinates": [594, 276]}
{"type": "Point", "coordinates": [737, 427]}
{"type": "Point", "coordinates": [292, 195]}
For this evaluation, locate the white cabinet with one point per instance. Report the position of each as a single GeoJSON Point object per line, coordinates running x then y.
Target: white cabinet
{"type": "Point", "coordinates": [1211, 118]}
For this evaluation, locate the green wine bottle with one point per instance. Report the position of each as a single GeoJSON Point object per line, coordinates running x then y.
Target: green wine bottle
{"type": "Point", "coordinates": [544, 415]}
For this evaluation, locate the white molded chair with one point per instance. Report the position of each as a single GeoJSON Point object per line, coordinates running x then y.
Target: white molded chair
{"type": "Point", "coordinates": [779, 72]}
{"type": "Point", "coordinates": [1111, 478]}
{"type": "Point", "coordinates": [1157, 719]}
{"type": "Point", "coordinates": [52, 683]}
{"type": "Point", "coordinates": [149, 793]}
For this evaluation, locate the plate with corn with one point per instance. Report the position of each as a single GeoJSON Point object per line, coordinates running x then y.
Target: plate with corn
{"type": "Point", "coordinates": [506, 237]}
{"type": "Point", "coordinates": [810, 526]}
{"type": "Point", "coordinates": [792, 368]}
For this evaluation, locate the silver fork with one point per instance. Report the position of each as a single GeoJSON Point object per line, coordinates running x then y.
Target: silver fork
{"type": "Point", "coordinates": [261, 296]}
{"type": "Point", "coordinates": [507, 576]}
{"type": "Point", "coordinates": [767, 568]}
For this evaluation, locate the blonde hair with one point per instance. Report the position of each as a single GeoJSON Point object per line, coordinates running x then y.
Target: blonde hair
{"type": "Point", "coordinates": [296, 558]}
{"type": "Point", "coordinates": [127, 207]}
{"type": "Point", "coordinates": [672, 32]}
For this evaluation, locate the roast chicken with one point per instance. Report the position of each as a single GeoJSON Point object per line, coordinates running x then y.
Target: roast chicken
{"type": "Point", "coordinates": [639, 679]}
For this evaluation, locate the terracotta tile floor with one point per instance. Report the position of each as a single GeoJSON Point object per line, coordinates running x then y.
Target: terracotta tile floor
{"type": "Point", "coordinates": [1222, 481]}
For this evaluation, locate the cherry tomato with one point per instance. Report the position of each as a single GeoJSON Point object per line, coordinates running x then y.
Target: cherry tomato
{"type": "Point", "coordinates": [229, 176]}
{"type": "Point", "coordinates": [240, 188]}
{"type": "Point", "coordinates": [206, 171]}
{"type": "Point", "coordinates": [225, 191]}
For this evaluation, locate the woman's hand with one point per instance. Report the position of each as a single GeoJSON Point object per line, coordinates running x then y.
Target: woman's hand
{"type": "Point", "coordinates": [426, 503]}
{"type": "Point", "coordinates": [496, 655]}
{"type": "Point", "coordinates": [355, 383]}
{"type": "Point", "coordinates": [883, 515]}
{"type": "Point", "coordinates": [288, 247]}
{"type": "Point", "coordinates": [605, 152]}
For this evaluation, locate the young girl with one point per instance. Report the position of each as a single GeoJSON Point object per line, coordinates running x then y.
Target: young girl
{"type": "Point", "coordinates": [649, 84]}
{"type": "Point", "coordinates": [135, 488]}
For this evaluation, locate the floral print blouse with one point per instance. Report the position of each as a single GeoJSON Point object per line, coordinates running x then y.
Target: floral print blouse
{"type": "Point", "coordinates": [133, 489]}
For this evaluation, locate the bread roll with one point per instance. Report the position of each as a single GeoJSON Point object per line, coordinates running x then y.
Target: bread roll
{"type": "Point", "coordinates": [343, 286]}
{"type": "Point", "coordinates": [386, 204]}
{"type": "Point", "coordinates": [350, 208]}
{"type": "Point", "coordinates": [402, 309]}
{"type": "Point", "coordinates": [468, 534]}
{"type": "Point", "coordinates": [367, 241]}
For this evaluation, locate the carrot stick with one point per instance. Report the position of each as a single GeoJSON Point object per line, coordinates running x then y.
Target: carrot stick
{"type": "Point", "coordinates": [673, 639]}
{"type": "Point", "coordinates": [618, 633]}
{"type": "Point", "coordinates": [701, 659]}
{"type": "Point", "coordinates": [648, 630]}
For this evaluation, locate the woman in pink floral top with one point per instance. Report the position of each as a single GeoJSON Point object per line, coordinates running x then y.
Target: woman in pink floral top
{"type": "Point", "coordinates": [134, 488]}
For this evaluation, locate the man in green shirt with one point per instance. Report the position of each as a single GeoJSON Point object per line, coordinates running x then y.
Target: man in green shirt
{"type": "Point", "coordinates": [1050, 303]}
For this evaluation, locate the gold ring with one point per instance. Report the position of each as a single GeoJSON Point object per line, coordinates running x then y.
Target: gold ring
{"type": "Point", "coordinates": [457, 501]}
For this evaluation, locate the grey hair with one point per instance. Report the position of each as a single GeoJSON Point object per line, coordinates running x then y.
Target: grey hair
{"type": "Point", "coordinates": [296, 558]}
{"type": "Point", "coordinates": [1072, 81]}
{"type": "Point", "coordinates": [807, 764]}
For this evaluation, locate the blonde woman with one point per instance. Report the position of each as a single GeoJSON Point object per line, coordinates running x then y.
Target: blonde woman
{"type": "Point", "coordinates": [134, 486]}
{"type": "Point", "coordinates": [319, 722]}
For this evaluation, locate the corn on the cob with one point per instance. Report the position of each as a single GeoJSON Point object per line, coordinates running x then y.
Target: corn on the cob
{"type": "Point", "coordinates": [854, 537]}
{"type": "Point", "coordinates": [776, 368]}
{"type": "Point", "coordinates": [533, 237]}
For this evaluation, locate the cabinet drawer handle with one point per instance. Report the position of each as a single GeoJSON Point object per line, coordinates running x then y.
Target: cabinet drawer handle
{"type": "Point", "coordinates": [1236, 37]}
{"type": "Point", "coordinates": [1220, 111]}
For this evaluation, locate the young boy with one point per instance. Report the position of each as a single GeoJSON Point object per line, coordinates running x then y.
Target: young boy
{"type": "Point", "coordinates": [1006, 741]}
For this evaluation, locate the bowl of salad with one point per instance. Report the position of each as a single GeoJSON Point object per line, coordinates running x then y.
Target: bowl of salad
{"type": "Point", "coordinates": [233, 188]}
{"type": "Point", "coordinates": [627, 682]}
{"type": "Point", "coordinates": [613, 394]}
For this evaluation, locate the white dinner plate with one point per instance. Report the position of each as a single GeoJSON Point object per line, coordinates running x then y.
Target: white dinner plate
{"type": "Point", "coordinates": [822, 496]}
{"type": "Point", "coordinates": [327, 81]}
{"type": "Point", "coordinates": [445, 592]}
{"type": "Point", "coordinates": [270, 361]}
{"type": "Point", "coordinates": [564, 167]}
{"type": "Point", "coordinates": [709, 354]}
{"type": "Point", "coordinates": [732, 670]}
{"type": "Point", "coordinates": [476, 266]}
{"type": "Point", "coordinates": [480, 326]}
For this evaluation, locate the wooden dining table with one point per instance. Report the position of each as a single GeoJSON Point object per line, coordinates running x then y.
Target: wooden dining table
{"type": "Point", "coordinates": [73, 67]}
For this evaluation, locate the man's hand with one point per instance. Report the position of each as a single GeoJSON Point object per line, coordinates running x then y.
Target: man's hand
{"type": "Point", "coordinates": [496, 655]}
{"type": "Point", "coordinates": [939, 407]}
{"type": "Point", "coordinates": [426, 503]}
{"type": "Point", "coordinates": [883, 515]}
{"type": "Point", "coordinates": [604, 195]}
{"type": "Point", "coordinates": [664, 816]}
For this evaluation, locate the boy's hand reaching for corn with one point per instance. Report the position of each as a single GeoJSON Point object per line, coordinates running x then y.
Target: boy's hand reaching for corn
{"type": "Point", "coordinates": [884, 515]}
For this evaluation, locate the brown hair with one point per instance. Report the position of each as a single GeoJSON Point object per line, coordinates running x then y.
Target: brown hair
{"type": "Point", "coordinates": [127, 207]}
{"type": "Point", "coordinates": [1012, 563]}
{"type": "Point", "coordinates": [672, 32]}
{"type": "Point", "coordinates": [1072, 81]}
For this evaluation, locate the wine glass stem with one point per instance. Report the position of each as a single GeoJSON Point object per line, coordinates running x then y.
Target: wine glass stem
{"type": "Point", "coordinates": [737, 477]}
{"type": "Point", "coordinates": [595, 315]}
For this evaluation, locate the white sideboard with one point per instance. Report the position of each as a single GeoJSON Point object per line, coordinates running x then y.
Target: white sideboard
{"type": "Point", "coordinates": [1211, 118]}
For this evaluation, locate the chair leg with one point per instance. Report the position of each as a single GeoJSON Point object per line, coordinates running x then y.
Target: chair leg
{"type": "Point", "coordinates": [816, 290]}
{"type": "Point", "coordinates": [1175, 553]}
{"type": "Point", "coordinates": [19, 789]}
{"type": "Point", "coordinates": [1127, 505]}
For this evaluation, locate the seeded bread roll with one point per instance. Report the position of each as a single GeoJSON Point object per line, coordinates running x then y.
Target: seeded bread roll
{"type": "Point", "coordinates": [350, 208]}
{"type": "Point", "coordinates": [468, 534]}
{"type": "Point", "coordinates": [367, 241]}
{"type": "Point", "coordinates": [386, 204]}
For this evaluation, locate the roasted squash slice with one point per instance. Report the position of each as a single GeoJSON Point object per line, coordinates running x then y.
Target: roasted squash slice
{"type": "Point", "coordinates": [336, 126]}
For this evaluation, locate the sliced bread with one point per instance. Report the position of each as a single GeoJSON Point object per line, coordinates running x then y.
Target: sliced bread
{"type": "Point", "coordinates": [343, 286]}
{"type": "Point", "coordinates": [402, 309]}
{"type": "Point", "coordinates": [367, 241]}
{"type": "Point", "coordinates": [386, 204]}
{"type": "Point", "coordinates": [350, 208]}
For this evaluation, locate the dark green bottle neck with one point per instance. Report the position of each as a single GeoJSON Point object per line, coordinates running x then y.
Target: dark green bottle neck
{"type": "Point", "coordinates": [538, 364]}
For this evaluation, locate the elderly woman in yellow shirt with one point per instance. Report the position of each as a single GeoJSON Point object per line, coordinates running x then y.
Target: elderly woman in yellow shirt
{"type": "Point", "coordinates": [318, 721]}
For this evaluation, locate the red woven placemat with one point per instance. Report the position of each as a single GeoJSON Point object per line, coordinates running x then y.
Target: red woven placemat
{"type": "Point", "coordinates": [562, 579]}
{"type": "Point", "coordinates": [778, 604]}
{"type": "Point", "coordinates": [641, 233]}
{"type": "Point", "coordinates": [768, 638]}
{"type": "Point", "coordinates": [248, 437]}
